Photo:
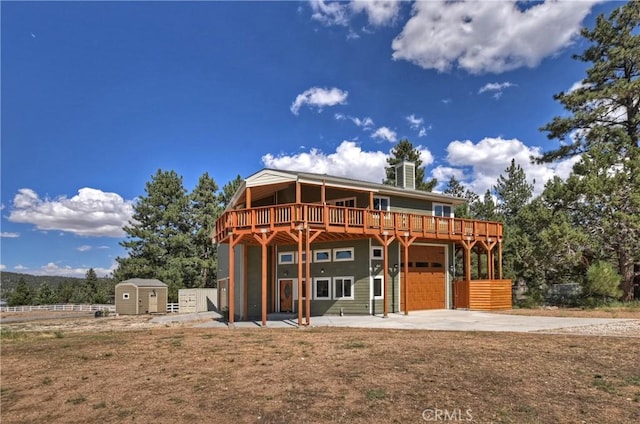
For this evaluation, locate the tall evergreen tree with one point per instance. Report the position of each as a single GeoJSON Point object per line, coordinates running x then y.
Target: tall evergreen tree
{"type": "Point", "coordinates": [603, 126]}
{"type": "Point", "coordinates": [404, 151]}
{"type": "Point", "coordinates": [45, 295]}
{"type": "Point", "coordinates": [513, 191]}
{"type": "Point", "coordinates": [205, 210]}
{"type": "Point", "coordinates": [23, 294]}
{"type": "Point", "coordinates": [455, 188]}
{"type": "Point", "coordinates": [486, 208]}
{"type": "Point", "coordinates": [228, 190]}
{"type": "Point", "coordinates": [160, 236]}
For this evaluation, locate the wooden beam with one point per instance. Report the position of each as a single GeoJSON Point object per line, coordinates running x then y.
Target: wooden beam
{"type": "Point", "coordinates": [500, 260]}
{"type": "Point", "coordinates": [405, 275]}
{"type": "Point", "coordinates": [298, 193]}
{"type": "Point", "coordinates": [385, 240]}
{"type": "Point", "coordinates": [232, 282]}
{"type": "Point", "coordinates": [248, 194]}
{"type": "Point", "coordinates": [300, 278]}
{"type": "Point", "coordinates": [264, 240]}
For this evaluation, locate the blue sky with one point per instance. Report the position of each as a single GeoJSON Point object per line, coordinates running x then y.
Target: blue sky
{"type": "Point", "coordinates": [97, 96]}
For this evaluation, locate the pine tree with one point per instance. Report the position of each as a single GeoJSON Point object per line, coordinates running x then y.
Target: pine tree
{"type": "Point", "coordinates": [45, 295]}
{"type": "Point", "coordinates": [23, 294]}
{"type": "Point", "coordinates": [229, 189]}
{"type": "Point", "coordinates": [160, 238]}
{"type": "Point", "coordinates": [205, 210]}
{"type": "Point", "coordinates": [513, 191]}
{"type": "Point", "coordinates": [603, 126]}
{"type": "Point", "coordinates": [455, 188]}
{"type": "Point", "coordinates": [404, 151]}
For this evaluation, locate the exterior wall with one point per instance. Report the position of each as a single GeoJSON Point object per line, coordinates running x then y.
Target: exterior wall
{"type": "Point", "coordinates": [126, 306]}
{"type": "Point", "coordinates": [143, 299]}
{"type": "Point", "coordinates": [197, 300]}
{"type": "Point", "coordinates": [358, 269]}
{"type": "Point", "coordinates": [403, 204]}
{"type": "Point", "coordinates": [394, 279]}
{"type": "Point", "coordinates": [223, 275]}
{"type": "Point", "coordinates": [254, 282]}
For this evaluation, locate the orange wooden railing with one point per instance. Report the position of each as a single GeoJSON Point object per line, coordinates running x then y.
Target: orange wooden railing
{"type": "Point", "coordinates": [353, 220]}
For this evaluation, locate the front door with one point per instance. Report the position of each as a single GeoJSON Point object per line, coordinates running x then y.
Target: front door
{"type": "Point", "coordinates": [153, 302]}
{"type": "Point", "coordinates": [286, 295]}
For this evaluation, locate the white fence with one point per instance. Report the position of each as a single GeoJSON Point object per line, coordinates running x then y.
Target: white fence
{"type": "Point", "coordinates": [171, 307]}
{"type": "Point", "coordinates": [61, 307]}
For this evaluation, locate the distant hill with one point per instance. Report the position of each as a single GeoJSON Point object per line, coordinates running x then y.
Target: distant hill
{"type": "Point", "coordinates": [8, 280]}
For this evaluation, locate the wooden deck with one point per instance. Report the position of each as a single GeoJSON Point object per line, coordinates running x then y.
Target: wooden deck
{"type": "Point", "coordinates": [354, 222]}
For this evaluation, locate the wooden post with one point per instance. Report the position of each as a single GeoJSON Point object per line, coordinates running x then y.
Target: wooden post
{"type": "Point", "coordinates": [405, 274]}
{"type": "Point", "coordinates": [300, 277]}
{"type": "Point", "coordinates": [500, 259]}
{"type": "Point", "coordinates": [232, 280]}
{"type": "Point", "coordinates": [264, 240]}
{"type": "Point", "coordinates": [248, 205]}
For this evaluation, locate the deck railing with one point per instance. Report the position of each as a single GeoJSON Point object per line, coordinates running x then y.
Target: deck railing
{"type": "Point", "coordinates": [353, 220]}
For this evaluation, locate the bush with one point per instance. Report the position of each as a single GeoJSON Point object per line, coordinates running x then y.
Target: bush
{"type": "Point", "coordinates": [602, 282]}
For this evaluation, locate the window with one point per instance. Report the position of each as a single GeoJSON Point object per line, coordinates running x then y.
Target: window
{"type": "Point", "coordinates": [125, 296]}
{"type": "Point", "coordinates": [344, 254]}
{"type": "Point", "coordinates": [377, 287]}
{"type": "Point", "coordinates": [442, 210]}
{"type": "Point", "coordinates": [304, 257]}
{"type": "Point", "coordinates": [304, 289]}
{"type": "Point", "coordinates": [322, 288]}
{"type": "Point", "coordinates": [322, 255]}
{"type": "Point", "coordinates": [347, 203]}
{"type": "Point", "coordinates": [286, 258]}
{"type": "Point", "coordinates": [381, 203]}
{"type": "Point", "coordinates": [377, 252]}
{"type": "Point", "coordinates": [343, 287]}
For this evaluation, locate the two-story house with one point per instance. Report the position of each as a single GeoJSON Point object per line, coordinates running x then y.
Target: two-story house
{"type": "Point", "coordinates": [316, 244]}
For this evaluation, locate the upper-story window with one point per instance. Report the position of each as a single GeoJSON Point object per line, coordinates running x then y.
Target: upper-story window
{"type": "Point", "coordinates": [442, 210]}
{"type": "Point", "coordinates": [347, 203]}
{"type": "Point", "coordinates": [381, 203]}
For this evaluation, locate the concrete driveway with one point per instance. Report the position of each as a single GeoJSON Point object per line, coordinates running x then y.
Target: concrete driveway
{"type": "Point", "coordinates": [445, 320]}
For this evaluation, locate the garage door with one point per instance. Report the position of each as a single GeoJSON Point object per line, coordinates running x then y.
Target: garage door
{"type": "Point", "coordinates": [426, 283]}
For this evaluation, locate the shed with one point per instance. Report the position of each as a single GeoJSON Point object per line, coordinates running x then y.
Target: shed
{"type": "Point", "coordinates": [141, 296]}
{"type": "Point", "coordinates": [197, 300]}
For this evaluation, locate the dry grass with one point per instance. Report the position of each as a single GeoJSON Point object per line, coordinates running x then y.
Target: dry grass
{"type": "Point", "coordinates": [187, 375]}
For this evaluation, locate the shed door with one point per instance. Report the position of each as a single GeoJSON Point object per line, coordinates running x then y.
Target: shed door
{"type": "Point", "coordinates": [426, 283]}
{"type": "Point", "coordinates": [153, 302]}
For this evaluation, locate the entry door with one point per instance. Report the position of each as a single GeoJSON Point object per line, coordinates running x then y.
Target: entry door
{"type": "Point", "coordinates": [153, 302]}
{"type": "Point", "coordinates": [286, 295]}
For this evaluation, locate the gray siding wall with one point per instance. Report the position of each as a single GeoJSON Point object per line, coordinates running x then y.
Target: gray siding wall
{"type": "Point", "coordinates": [126, 306]}
{"type": "Point", "coordinates": [223, 273]}
{"type": "Point", "coordinates": [402, 204]}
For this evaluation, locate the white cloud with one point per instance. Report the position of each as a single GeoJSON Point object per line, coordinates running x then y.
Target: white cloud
{"type": "Point", "coordinates": [379, 12]}
{"type": "Point", "coordinates": [3, 267]}
{"type": "Point", "coordinates": [5, 234]}
{"type": "Point", "coordinates": [417, 124]}
{"type": "Point", "coordinates": [330, 13]}
{"type": "Point", "coordinates": [496, 87]}
{"type": "Point", "coordinates": [446, 101]}
{"type": "Point", "coordinates": [319, 97]}
{"type": "Point", "coordinates": [20, 267]}
{"type": "Point", "coordinates": [385, 133]}
{"type": "Point", "coordinates": [89, 213]}
{"type": "Point", "coordinates": [366, 122]}
{"type": "Point", "coordinates": [53, 269]}
{"type": "Point", "coordinates": [488, 158]}
{"type": "Point", "coordinates": [349, 160]}
{"type": "Point", "coordinates": [487, 36]}
{"type": "Point", "coordinates": [84, 248]}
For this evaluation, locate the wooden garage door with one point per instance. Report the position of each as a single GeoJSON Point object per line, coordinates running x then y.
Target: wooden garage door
{"type": "Point", "coordinates": [426, 283]}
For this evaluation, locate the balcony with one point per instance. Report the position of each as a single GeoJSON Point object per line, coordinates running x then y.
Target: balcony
{"type": "Point", "coordinates": [339, 222]}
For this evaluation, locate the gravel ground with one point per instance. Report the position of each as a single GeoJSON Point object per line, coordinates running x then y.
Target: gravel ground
{"type": "Point", "coordinates": [627, 328]}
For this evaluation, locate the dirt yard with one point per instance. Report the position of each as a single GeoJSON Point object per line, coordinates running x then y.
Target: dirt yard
{"type": "Point", "coordinates": [117, 370]}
